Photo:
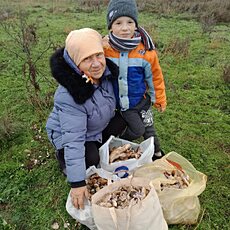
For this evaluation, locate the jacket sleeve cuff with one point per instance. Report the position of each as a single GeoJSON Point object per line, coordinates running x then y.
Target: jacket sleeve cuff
{"type": "Point", "coordinates": [78, 184]}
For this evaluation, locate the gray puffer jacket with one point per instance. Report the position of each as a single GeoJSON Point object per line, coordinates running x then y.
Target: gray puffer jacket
{"type": "Point", "coordinates": [81, 112]}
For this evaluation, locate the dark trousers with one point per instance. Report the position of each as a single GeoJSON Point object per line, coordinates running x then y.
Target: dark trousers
{"type": "Point", "coordinates": [115, 127]}
{"type": "Point", "coordinates": [140, 122]}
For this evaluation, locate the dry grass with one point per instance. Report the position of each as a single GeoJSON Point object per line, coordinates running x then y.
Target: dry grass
{"type": "Point", "coordinates": [219, 10]}
{"type": "Point", "coordinates": [8, 128]}
{"type": "Point", "coordinates": [178, 47]}
{"type": "Point", "coordinates": [92, 5]}
{"type": "Point", "coordinates": [226, 74]}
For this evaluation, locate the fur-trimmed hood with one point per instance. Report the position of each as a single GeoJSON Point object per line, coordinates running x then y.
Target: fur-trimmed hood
{"type": "Point", "coordinates": [73, 82]}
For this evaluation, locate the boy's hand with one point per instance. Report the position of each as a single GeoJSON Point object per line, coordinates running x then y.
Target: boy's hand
{"type": "Point", "coordinates": [161, 109]}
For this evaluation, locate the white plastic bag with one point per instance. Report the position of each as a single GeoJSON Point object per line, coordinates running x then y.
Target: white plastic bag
{"type": "Point", "coordinates": [84, 216]}
{"type": "Point", "coordinates": [146, 214]}
{"type": "Point", "coordinates": [147, 149]}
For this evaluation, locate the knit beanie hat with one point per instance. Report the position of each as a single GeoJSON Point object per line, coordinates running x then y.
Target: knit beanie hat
{"type": "Point", "coordinates": [83, 43]}
{"type": "Point", "coordinates": [119, 8]}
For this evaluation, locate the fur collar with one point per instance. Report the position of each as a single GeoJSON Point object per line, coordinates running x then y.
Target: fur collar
{"type": "Point", "coordinates": [73, 82]}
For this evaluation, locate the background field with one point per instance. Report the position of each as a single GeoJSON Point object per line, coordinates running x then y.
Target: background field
{"type": "Point", "coordinates": [193, 43]}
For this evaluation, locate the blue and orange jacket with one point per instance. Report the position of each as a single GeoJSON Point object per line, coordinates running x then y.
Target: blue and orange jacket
{"type": "Point", "coordinates": [139, 72]}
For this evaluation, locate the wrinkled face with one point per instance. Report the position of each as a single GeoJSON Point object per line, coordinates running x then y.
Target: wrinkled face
{"type": "Point", "coordinates": [93, 66]}
{"type": "Point", "coordinates": [123, 27]}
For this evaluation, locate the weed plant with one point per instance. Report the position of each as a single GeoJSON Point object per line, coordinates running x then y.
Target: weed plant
{"type": "Point", "coordinates": [195, 61]}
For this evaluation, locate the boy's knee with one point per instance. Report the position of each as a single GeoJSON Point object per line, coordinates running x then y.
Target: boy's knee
{"type": "Point", "coordinates": [139, 132]}
{"type": "Point", "coordinates": [133, 134]}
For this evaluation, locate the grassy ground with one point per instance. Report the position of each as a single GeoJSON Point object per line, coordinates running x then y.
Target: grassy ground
{"type": "Point", "coordinates": [196, 124]}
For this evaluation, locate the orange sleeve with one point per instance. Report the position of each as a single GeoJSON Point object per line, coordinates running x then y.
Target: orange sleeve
{"type": "Point", "coordinates": [158, 81]}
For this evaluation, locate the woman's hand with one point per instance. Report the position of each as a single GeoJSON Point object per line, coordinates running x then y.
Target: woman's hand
{"type": "Point", "coordinates": [78, 196]}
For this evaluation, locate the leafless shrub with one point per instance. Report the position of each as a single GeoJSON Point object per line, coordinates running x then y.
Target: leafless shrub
{"type": "Point", "coordinates": [226, 74]}
{"type": "Point", "coordinates": [155, 6]}
{"type": "Point", "coordinates": [5, 14]}
{"type": "Point", "coordinates": [92, 5]}
{"type": "Point", "coordinates": [178, 47]}
{"type": "Point", "coordinates": [196, 8]}
{"type": "Point", "coordinates": [222, 14]}
{"type": "Point", "coordinates": [60, 9]}
{"type": "Point", "coordinates": [207, 23]}
{"type": "Point", "coordinates": [24, 38]}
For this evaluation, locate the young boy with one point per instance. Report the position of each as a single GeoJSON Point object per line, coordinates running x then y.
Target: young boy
{"type": "Point", "coordinates": [140, 83]}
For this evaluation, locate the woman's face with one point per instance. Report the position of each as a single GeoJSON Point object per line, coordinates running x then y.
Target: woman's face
{"type": "Point", "coordinates": [93, 66]}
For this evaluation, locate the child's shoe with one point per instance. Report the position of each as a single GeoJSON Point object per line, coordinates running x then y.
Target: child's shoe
{"type": "Point", "coordinates": [158, 155]}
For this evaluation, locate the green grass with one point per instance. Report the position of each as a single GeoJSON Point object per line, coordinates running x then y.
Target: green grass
{"type": "Point", "coordinates": [195, 124]}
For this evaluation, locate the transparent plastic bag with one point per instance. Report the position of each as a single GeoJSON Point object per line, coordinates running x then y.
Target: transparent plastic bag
{"type": "Point", "coordinates": [180, 206]}
{"type": "Point", "coordinates": [85, 216]}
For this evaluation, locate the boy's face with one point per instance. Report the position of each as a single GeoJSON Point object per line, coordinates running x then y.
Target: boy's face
{"type": "Point", "coordinates": [123, 27]}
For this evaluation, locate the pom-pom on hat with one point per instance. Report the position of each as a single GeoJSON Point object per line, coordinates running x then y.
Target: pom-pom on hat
{"type": "Point", "coordinates": [83, 43]}
{"type": "Point", "coordinates": [119, 8]}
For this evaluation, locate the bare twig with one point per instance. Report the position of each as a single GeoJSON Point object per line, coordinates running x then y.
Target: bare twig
{"type": "Point", "coordinates": [43, 52]}
{"type": "Point", "coordinates": [64, 222]}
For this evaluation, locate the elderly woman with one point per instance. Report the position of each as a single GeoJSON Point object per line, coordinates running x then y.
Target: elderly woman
{"type": "Point", "coordinates": [84, 113]}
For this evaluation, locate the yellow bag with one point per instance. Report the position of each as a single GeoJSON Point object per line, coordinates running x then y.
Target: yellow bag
{"type": "Point", "coordinates": [147, 214]}
{"type": "Point", "coordinates": [180, 206]}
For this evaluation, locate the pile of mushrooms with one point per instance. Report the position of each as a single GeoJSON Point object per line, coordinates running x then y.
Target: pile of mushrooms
{"type": "Point", "coordinates": [123, 153]}
{"type": "Point", "coordinates": [95, 183]}
{"type": "Point", "coordinates": [178, 179]}
{"type": "Point", "coordinates": [123, 197]}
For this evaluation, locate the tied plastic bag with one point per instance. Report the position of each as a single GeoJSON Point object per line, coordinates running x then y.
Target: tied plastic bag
{"type": "Point", "coordinates": [85, 216]}
{"type": "Point", "coordinates": [145, 214]}
{"type": "Point", "coordinates": [146, 149]}
{"type": "Point", "coordinates": [179, 201]}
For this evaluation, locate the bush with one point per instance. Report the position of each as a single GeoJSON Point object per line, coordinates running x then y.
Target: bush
{"type": "Point", "coordinates": [220, 10]}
